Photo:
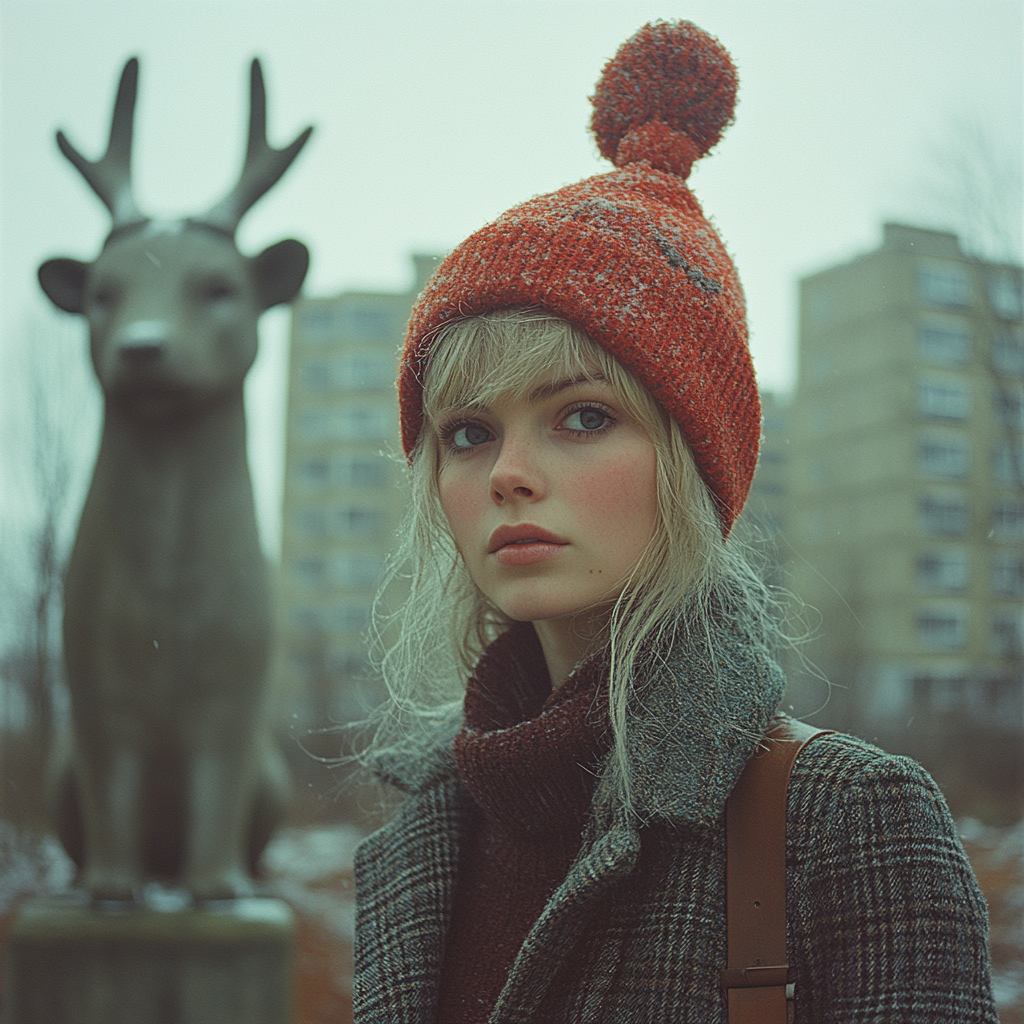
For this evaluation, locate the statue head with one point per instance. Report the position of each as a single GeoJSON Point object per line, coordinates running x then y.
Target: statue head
{"type": "Point", "coordinates": [172, 306]}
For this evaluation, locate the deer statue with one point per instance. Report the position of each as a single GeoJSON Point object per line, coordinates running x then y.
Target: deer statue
{"type": "Point", "coordinates": [171, 774]}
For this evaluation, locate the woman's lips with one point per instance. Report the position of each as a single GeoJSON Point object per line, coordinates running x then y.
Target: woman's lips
{"type": "Point", "coordinates": [524, 544]}
{"type": "Point", "coordinates": [527, 552]}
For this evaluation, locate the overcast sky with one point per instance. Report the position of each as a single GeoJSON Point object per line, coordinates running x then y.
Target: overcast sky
{"type": "Point", "coordinates": [433, 118]}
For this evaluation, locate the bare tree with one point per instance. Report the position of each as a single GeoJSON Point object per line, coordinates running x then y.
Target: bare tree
{"type": "Point", "coordinates": [973, 186]}
{"type": "Point", "coordinates": [50, 419]}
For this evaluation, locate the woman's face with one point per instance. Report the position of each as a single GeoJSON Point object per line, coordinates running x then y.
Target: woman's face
{"type": "Point", "coordinates": [551, 498]}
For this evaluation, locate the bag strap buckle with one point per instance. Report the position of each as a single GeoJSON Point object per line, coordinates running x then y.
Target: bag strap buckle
{"type": "Point", "coordinates": [774, 976]}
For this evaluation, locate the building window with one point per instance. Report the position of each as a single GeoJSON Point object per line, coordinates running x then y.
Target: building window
{"type": "Point", "coordinates": [773, 424]}
{"type": "Point", "coordinates": [349, 372]}
{"type": "Point", "coordinates": [943, 284]}
{"type": "Point", "coordinates": [1008, 634]}
{"type": "Point", "coordinates": [921, 692]}
{"type": "Point", "coordinates": [943, 516]}
{"type": "Point", "coordinates": [371, 473]}
{"type": "Point", "coordinates": [941, 694]}
{"type": "Point", "coordinates": [1008, 354]}
{"type": "Point", "coordinates": [368, 472]}
{"type": "Point", "coordinates": [369, 372]}
{"type": "Point", "coordinates": [350, 423]}
{"type": "Point", "coordinates": [1008, 574]}
{"type": "Point", "coordinates": [315, 376]}
{"type": "Point", "coordinates": [1004, 294]}
{"type": "Point", "coordinates": [307, 617]}
{"type": "Point", "coordinates": [1009, 407]}
{"type": "Point", "coordinates": [308, 572]}
{"type": "Point", "coordinates": [331, 617]}
{"type": "Point", "coordinates": [313, 473]}
{"type": "Point", "coordinates": [347, 522]}
{"type": "Point", "coordinates": [944, 399]}
{"type": "Point", "coordinates": [1008, 463]}
{"type": "Point", "coordinates": [943, 458]}
{"type": "Point", "coordinates": [1008, 520]}
{"type": "Point", "coordinates": [312, 523]}
{"type": "Point", "coordinates": [942, 570]}
{"type": "Point", "coordinates": [945, 345]}
{"type": "Point", "coordinates": [354, 521]}
{"type": "Point", "coordinates": [314, 427]}
{"type": "Point", "coordinates": [318, 324]}
{"type": "Point", "coordinates": [355, 569]}
{"type": "Point", "coordinates": [369, 323]}
{"type": "Point", "coordinates": [941, 630]}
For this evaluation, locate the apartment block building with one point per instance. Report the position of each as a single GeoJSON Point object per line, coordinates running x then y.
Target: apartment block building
{"type": "Point", "coordinates": [765, 519]}
{"type": "Point", "coordinates": [905, 512]}
{"type": "Point", "coordinates": [343, 497]}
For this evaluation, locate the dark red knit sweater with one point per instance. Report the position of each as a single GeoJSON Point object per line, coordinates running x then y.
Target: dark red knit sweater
{"type": "Point", "coordinates": [528, 755]}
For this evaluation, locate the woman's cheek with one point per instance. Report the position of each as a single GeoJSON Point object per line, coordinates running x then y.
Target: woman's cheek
{"type": "Point", "coordinates": [620, 493]}
{"type": "Point", "coordinates": [460, 503]}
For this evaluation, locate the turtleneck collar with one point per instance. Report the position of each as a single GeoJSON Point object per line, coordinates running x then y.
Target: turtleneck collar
{"type": "Point", "coordinates": [529, 755]}
{"type": "Point", "coordinates": [700, 716]}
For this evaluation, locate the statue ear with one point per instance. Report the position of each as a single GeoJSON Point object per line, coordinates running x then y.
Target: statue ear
{"type": "Point", "coordinates": [63, 280]}
{"type": "Point", "coordinates": [279, 272]}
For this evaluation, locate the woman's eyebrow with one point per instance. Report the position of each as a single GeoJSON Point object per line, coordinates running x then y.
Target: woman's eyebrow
{"type": "Point", "coordinates": [549, 390]}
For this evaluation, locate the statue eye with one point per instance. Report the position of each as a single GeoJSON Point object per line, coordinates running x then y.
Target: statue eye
{"type": "Point", "coordinates": [105, 296]}
{"type": "Point", "coordinates": [219, 290]}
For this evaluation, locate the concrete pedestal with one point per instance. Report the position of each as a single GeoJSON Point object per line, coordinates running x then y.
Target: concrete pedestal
{"type": "Point", "coordinates": [226, 963]}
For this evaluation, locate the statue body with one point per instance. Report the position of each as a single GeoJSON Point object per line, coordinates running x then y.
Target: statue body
{"type": "Point", "coordinates": [171, 772]}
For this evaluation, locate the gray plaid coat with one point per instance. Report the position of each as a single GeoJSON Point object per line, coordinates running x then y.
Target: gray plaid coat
{"type": "Point", "coordinates": [885, 919]}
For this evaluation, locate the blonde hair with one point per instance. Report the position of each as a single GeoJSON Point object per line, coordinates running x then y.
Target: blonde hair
{"type": "Point", "coordinates": [685, 576]}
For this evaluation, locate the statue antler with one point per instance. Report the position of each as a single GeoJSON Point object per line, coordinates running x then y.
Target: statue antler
{"type": "Point", "coordinates": [264, 165]}
{"type": "Point", "coordinates": [111, 176]}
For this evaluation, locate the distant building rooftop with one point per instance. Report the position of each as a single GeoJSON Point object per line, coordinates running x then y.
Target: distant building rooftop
{"type": "Point", "coordinates": [921, 240]}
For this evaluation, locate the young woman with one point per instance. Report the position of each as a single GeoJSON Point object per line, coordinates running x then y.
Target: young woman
{"type": "Point", "coordinates": [582, 421]}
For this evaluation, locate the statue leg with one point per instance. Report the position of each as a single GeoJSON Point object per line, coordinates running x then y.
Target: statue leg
{"type": "Point", "coordinates": [110, 786]}
{"type": "Point", "coordinates": [273, 794]}
{"type": "Point", "coordinates": [220, 806]}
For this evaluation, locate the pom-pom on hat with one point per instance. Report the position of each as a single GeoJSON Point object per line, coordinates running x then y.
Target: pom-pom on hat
{"type": "Point", "coordinates": [628, 257]}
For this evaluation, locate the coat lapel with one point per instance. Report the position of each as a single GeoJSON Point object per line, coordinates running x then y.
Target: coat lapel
{"type": "Point", "coordinates": [406, 880]}
{"type": "Point", "coordinates": [608, 856]}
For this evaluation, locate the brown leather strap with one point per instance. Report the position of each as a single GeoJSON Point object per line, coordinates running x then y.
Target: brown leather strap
{"type": "Point", "coordinates": [756, 981]}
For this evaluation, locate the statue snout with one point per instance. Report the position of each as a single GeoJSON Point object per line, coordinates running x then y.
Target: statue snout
{"type": "Point", "coordinates": [142, 342]}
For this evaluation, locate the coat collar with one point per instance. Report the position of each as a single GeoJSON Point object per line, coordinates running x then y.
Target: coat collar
{"type": "Point", "coordinates": [694, 725]}
{"type": "Point", "coordinates": [698, 720]}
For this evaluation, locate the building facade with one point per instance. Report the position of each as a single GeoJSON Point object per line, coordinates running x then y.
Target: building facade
{"type": "Point", "coordinates": [906, 510]}
{"type": "Point", "coordinates": [766, 512]}
{"type": "Point", "coordinates": [343, 497]}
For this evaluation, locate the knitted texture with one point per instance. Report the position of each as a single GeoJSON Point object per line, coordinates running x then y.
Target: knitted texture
{"type": "Point", "coordinates": [627, 257]}
{"type": "Point", "coordinates": [528, 757]}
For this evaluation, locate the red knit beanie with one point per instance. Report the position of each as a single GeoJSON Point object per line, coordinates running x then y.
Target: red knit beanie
{"type": "Point", "coordinates": [628, 257]}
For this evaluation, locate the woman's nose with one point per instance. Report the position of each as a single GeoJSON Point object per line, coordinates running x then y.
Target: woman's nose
{"type": "Point", "coordinates": [516, 473]}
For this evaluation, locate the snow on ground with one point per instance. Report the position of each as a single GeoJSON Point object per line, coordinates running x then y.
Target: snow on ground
{"type": "Point", "coordinates": [30, 865]}
{"type": "Point", "coordinates": [311, 868]}
{"type": "Point", "coordinates": [997, 856]}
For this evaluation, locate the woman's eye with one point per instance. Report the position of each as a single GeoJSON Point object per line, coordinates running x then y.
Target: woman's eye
{"type": "Point", "coordinates": [586, 419]}
{"type": "Point", "coordinates": [470, 435]}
